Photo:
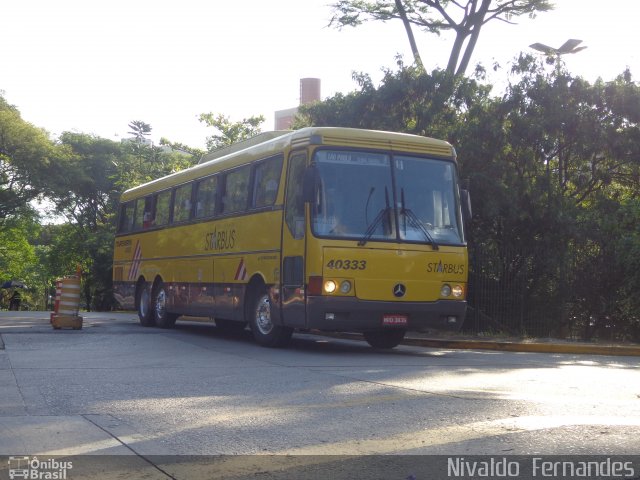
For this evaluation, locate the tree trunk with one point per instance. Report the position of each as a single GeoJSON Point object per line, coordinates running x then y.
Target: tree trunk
{"type": "Point", "coordinates": [475, 24]}
{"type": "Point", "coordinates": [412, 41]}
{"type": "Point", "coordinates": [455, 52]}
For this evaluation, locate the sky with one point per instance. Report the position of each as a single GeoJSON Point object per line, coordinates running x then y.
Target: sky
{"type": "Point", "coordinates": [94, 67]}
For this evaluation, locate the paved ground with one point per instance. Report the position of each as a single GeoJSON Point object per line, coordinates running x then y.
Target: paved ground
{"type": "Point", "coordinates": [116, 388]}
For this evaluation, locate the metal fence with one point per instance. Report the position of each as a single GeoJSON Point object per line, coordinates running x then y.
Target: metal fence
{"type": "Point", "coordinates": [543, 293]}
{"type": "Point", "coordinates": [511, 293]}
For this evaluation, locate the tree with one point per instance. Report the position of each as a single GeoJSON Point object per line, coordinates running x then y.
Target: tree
{"type": "Point", "coordinates": [88, 193]}
{"type": "Point", "coordinates": [17, 253]}
{"type": "Point", "coordinates": [140, 130]}
{"type": "Point", "coordinates": [98, 171]}
{"type": "Point", "coordinates": [28, 161]}
{"type": "Point", "coordinates": [555, 180]}
{"type": "Point", "coordinates": [554, 172]}
{"type": "Point", "coordinates": [182, 148]}
{"type": "Point", "coordinates": [230, 132]}
{"type": "Point", "coordinates": [465, 20]}
{"type": "Point", "coordinates": [407, 100]}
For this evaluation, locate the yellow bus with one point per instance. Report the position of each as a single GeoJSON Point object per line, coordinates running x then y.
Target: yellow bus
{"type": "Point", "coordinates": [323, 228]}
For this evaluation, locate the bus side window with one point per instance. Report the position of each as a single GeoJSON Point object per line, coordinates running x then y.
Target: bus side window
{"type": "Point", "coordinates": [266, 181]}
{"type": "Point", "coordinates": [126, 217]}
{"type": "Point", "coordinates": [144, 213]}
{"type": "Point", "coordinates": [163, 201]}
{"type": "Point", "coordinates": [139, 216]}
{"type": "Point", "coordinates": [182, 203]}
{"type": "Point", "coordinates": [236, 190]}
{"type": "Point", "coordinates": [206, 191]}
{"type": "Point", "coordinates": [147, 218]}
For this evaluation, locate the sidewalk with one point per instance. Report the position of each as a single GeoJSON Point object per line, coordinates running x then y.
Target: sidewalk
{"type": "Point", "coordinates": [512, 345]}
{"type": "Point", "coordinates": [537, 346]}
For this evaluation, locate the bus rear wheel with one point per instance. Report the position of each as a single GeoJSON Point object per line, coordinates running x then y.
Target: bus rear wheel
{"type": "Point", "coordinates": [162, 317]}
{"type": "Point", "coordinates": [264, 330]}
{"type": "Point", "coordinates": [145, 313]}
{"type": "Point", "coordinates": [384, 338]}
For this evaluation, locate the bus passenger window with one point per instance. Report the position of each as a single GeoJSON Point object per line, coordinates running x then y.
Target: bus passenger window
{"type": "Point", "coordinates": [126, 217]}
{"type": "Point", "coordinates": [163, 200]}
{"type": "Point", "coordinates": [182, 204]}
{"type": "Point", "coordinates": [236, 190]}
{"type": "Point", "coordinates": [139, 218]}
{"type": "Point", "coordinates": [267, 178]}
{"type": "Point", "coordinates": [144, 213]}
{"type": "Point", "coordinates": [206, 197]}
{"type": "Point", "coordinates": [147, 218]}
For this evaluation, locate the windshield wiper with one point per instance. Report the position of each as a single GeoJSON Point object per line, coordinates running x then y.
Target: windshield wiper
{"type": "Point", "coordinates": [377, 220]}
{"type": "Point", "coordinates": [415, 222]}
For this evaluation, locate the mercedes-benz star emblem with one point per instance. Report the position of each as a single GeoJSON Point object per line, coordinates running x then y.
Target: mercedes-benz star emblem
{"type": "Point", "coordinates": [399, 290]}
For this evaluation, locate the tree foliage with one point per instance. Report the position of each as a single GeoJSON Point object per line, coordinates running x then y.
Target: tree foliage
{"type": "Point", "coordinates": [140, 130]}
{"type": "Point", "coordinates": [465, 20]}
{"type": "Point", "coordinates": [28, 162]}
{"type": "Point", "coordinates": [230, 132]}
{"type": "Point", "coordinates": [555, 177]}
{"type": "Point", "coordinates": [99, 170]}
{"type": "Point", "coordinates": [552, 164]}
{"type": "Point", "coordinates": [82, 176]}
{"type": "Point", "coordinates": [420, 104]}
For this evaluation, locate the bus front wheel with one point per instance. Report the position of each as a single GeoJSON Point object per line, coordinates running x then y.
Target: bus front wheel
{"type": "Point", "coordinates": [384, 338]}
{"type": "Point", "coordinates": [162, 317]}
{"type": "Point", "coordinates": [264, 330]}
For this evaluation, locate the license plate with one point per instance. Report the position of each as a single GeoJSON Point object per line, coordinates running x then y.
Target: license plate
{"type": "Point", "coordinates": [395, 320]}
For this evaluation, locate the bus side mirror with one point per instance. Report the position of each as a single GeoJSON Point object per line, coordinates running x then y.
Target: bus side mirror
{"type": "Point", "coordinates": [309, 182]}
{"type": "Point", "coordinates": [465, 199]}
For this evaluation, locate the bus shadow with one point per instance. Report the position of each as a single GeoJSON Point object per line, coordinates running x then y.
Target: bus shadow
{"type": "Point", "coordinates": [305, 341]}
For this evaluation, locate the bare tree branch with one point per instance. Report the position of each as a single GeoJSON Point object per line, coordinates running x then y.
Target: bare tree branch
{"type": "Point", "coordinates": [434, 16]}
{"type": "Point", "coordinates": [412, 41]}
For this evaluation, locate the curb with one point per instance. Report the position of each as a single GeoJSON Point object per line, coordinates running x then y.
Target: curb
{"type": "Point", "coordinates": [566, 348]}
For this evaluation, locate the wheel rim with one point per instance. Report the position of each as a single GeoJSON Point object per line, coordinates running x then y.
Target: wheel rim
{"type": "Point", "coordinates": [161, 304]}
{"type": "Point", "coordinates": [144, 302]}
{"type": "Point", "coordinates": [263, 315]}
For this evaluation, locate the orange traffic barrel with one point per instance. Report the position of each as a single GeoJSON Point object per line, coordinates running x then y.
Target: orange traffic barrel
{"type": "Point", "coordinates": [58, 292]}
{"type": "Point", "coordinates": [69, 303]}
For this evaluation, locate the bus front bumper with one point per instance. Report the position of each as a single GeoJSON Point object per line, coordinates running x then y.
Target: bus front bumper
{"type": "Point", "coordinates": [348, 314]}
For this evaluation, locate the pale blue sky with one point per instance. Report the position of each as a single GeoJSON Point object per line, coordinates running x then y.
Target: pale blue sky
{"type": "Point", "coordinates": [95, 66]}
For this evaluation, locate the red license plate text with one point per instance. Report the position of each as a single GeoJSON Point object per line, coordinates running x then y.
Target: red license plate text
{"type": "Point", "coordinates": [395, 320]}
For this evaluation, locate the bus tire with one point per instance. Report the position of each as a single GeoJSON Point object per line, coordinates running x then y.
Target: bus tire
{"type": "Point", "coordinates": [384, 338]}
{"type": "Point", "coordinates": [143, 302]}
{"type": "Point", "coordinates": [264, 330]}
{"type": "Point", "coordinates": [162, 318]}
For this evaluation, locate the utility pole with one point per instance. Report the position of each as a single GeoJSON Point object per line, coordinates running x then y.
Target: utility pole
{"type": "Point", "coordinates": [553, 56]}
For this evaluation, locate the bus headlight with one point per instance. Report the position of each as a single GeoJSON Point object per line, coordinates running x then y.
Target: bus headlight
{"type": "Point", "coordinates": [445, 291]}
{"type": "Point", "coordinates": [345, 287]}
{"type": "Point", "coordinates": [457, 291]}
{"type": "Point", "coordinates": [329, 286]}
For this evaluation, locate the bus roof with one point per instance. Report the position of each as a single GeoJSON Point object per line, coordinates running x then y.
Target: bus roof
{"type": "Point", "coordinates": [272, 143]}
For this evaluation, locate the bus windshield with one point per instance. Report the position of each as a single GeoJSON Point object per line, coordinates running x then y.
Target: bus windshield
{"type": "Point", "coordinates": [368, 196]}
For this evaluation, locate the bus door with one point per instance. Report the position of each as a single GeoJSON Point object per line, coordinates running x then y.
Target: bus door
{"type": "Point", "coordinates": [293, 245]}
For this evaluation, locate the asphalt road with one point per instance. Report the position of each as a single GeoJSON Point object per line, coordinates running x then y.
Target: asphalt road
{"type": "Point", "coordinates": [116, 388]}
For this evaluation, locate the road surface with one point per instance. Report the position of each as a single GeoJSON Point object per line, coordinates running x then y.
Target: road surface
{"type": "Point", "coordinates": [117, 388]}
